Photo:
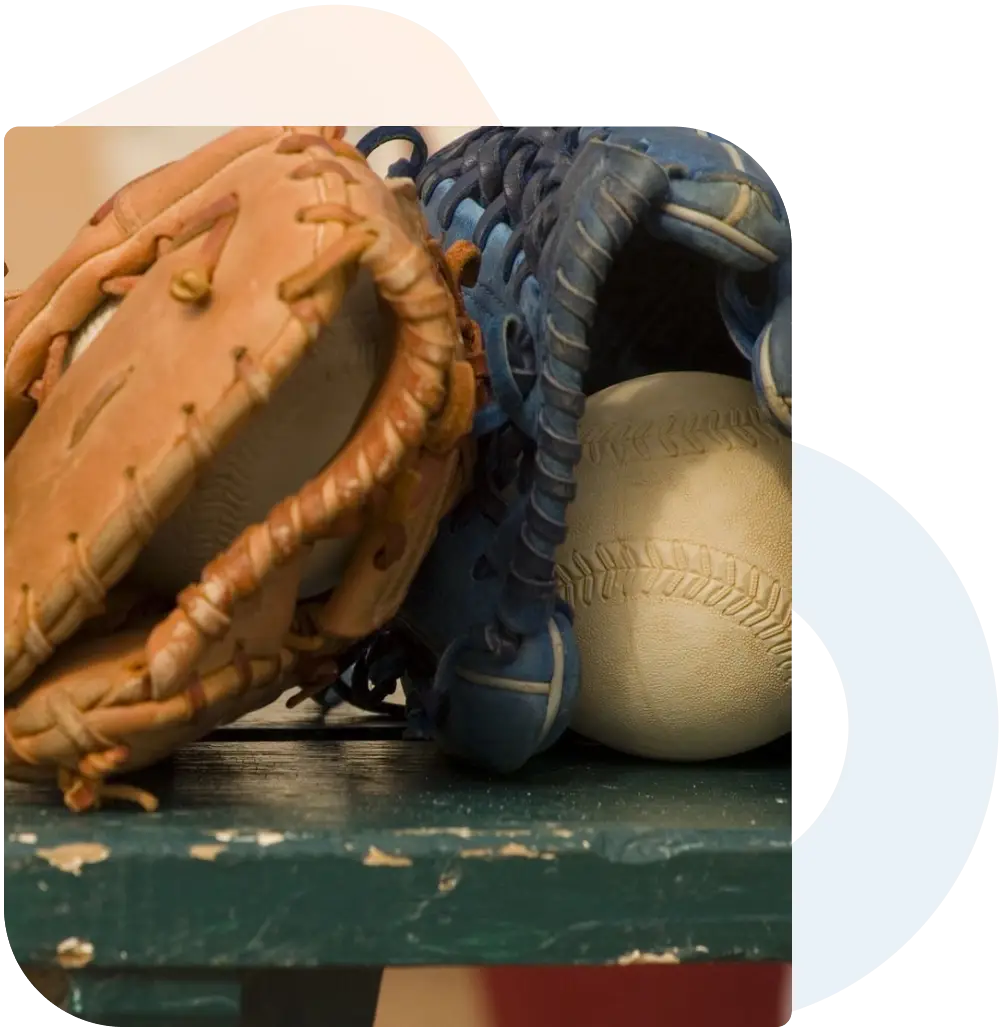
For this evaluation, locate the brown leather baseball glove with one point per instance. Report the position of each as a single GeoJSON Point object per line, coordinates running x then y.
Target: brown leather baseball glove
{"type": "Point", "coordinates": [251, 370]}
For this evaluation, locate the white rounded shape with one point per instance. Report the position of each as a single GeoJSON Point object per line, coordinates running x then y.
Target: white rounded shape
{"type": "Point", "coordinates": [678, 567]}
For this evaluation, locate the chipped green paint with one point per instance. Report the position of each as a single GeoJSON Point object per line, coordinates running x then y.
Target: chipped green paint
{"type": "Point", "coordinates": [316, 852]}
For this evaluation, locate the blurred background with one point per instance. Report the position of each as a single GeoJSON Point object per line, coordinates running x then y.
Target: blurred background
{"type": "Point", "coordinates": [54, 179]}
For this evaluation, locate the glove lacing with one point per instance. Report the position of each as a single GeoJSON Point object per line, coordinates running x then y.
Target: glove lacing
{"type": "Point", "coordinates": [366, 673]}
{"type": "Point", "coordinates": [515, 175]}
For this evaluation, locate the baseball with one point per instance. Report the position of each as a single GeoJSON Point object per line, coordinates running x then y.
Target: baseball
{"type": "Point", "coordinates": [677, 565]}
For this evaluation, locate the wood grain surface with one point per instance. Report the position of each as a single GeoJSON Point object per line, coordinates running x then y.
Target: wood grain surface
{"type": "Point", "coordinates": [327, 849]}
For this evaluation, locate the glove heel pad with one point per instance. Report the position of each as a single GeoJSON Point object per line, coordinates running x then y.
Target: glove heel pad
{"type": "Point", "coordinates": [498, 715]}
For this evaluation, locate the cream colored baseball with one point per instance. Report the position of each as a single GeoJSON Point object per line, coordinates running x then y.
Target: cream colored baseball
{"type": "Point", "coordinates": [678, 567]}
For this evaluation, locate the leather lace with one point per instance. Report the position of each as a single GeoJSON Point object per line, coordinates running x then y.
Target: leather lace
{"type": "Point", "coordinates": [514, 175]}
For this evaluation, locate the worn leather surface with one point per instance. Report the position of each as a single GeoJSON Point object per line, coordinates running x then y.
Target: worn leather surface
{"type": "Point", "coordinates": [608, 254]}
{"type": "Point", "coordinates": [228, 270]}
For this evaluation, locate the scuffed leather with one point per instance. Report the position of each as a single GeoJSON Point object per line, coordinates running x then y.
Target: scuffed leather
{"type": "Point", "coordinates": [231, 261]}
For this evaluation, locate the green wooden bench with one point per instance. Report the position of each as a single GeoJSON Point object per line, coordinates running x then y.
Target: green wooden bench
{"type": "Point", "coordinates": [293, 858]}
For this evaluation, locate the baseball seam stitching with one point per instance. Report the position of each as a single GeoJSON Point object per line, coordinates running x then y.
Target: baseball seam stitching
{"type": "Point", "coordinates": [675, 435]}
{"type": "Point", "coordinates": [685, 571]}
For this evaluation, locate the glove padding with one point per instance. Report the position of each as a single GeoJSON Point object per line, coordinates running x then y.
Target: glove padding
{"type": "Point", "coordinates": [256, 357]}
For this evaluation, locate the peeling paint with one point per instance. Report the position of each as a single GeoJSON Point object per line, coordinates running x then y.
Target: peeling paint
{"type": "Point", "coordinates": [637, 957]}
{"type": "Point", "coordinates": [467, 832]}
{"type": "Point", "coordinates": [263, 838]}
{"type": "Point", "coordinates": [74, 954]}
{"type": "Point", "coordinates": [448, 881]}
{"type": "Point", "coordinates": [703, 949]}
{"type": "Point", "coordinates": [458, 832]}
{"type": "Point", "coordinates": [507, 851]}
{"type": "Point", "coordinates": [563, 832]}
{"type": "Point", "coordinates": [378, 858]}
{"type": "Point", "coordinates": [513, 848]}
{"type": "Point", "coordinates": [206, 852]}
{"type": "Point", "coordinates": [71, 858]}
{"type": "Point", "coordinates": [27, 838]}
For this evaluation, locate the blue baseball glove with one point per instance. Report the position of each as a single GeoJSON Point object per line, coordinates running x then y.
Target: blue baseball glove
{"type": "Point", "coordinates": [606, 254]}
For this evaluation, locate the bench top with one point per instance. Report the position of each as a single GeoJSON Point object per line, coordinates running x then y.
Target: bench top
{"type": "Point", "coordinates": [296, 841]}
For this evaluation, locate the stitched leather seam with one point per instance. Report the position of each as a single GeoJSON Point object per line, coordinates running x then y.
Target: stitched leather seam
{"type": "Point", "coordinates": [682, 571]}
{"type": "Point", "coordinates": [680, 435]}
